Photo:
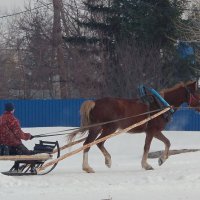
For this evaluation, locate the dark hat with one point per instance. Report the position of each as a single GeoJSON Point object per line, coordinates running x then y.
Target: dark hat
{"type": "Point", "coordinates": [9, 107]}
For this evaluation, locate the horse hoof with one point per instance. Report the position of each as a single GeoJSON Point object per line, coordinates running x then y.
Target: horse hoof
{"type": "Point", "coordinates": [149, 168]}
{"type": "Point", "coordinates": [108, 164]}
{"type": "Point", "coordinates": [160, 161]}
{"type": "Point", "coordinates": [88, 170]}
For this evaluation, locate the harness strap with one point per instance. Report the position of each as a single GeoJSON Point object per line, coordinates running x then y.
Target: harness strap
{"type": "Point", "coordinates": [192, 98]}
{"type": "Point", "coordinates": [142, 92]}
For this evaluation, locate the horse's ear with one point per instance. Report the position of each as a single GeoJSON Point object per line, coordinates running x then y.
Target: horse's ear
{"type": "Point", "coordinates": [191, 82]}
{"type": "Point", "coordinates": [192, 85]}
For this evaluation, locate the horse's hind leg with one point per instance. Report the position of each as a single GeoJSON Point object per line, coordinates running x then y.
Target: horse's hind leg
{"type": "Point", "coordinates": [107, 156]}
{"type": "Point", "coordinates": [165, 154]}
{"type": "Point", "coordinates": [145, 165]}
{"type": "Point", "coordinates": [91, 137]}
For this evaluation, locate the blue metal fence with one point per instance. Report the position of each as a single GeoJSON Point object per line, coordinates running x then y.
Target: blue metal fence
{"type": "Point", "coordinates": [185, 119]}
{"type": "Point", "coordinates": [44, 113]}
{"type": "Point", "coordinates": [49, 113]}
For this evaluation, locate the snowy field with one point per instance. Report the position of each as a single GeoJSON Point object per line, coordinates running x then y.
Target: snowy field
{"type": "Point", "coordinates": [177, 179]}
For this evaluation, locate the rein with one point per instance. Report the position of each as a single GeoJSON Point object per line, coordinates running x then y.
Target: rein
{"type": "Point", "coordinates": [76, 130]}
{"type": "Point", "coordinates": [50, 134]}
{"type": "Point", "coordinates": [192, 98]}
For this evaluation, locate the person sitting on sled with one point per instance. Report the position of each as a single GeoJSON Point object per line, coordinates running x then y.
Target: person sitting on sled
{"type": "Point", "coordinates": [11, 134]}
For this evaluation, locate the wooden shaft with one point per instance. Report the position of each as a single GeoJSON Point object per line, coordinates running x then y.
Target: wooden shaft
{"type": "Point", "coordinates": [102, 139]}
{"type": "Point", "coordinates": [70, 145]}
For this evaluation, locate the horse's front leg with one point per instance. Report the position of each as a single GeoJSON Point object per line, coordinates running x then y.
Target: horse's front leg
{"type": "Point", "coordinates": [145, 165]}
{"type": "Point", "coordinates": [165, 153]}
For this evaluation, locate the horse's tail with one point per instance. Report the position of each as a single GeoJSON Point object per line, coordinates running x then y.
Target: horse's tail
{"type": "Point", "coordinates": [86, 107]}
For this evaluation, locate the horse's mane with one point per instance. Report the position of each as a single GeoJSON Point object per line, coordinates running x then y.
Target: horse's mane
{"type": "Point", "coordinates": [175, 87]}
{"type": "Point", "coordinates": [190, 82]}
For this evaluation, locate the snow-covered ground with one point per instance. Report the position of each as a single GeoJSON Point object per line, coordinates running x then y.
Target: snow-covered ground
{"type": "Point", "coordinates": [177, 179]}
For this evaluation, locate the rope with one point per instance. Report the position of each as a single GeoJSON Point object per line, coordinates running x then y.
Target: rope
{"type": "Point", "coordinates": [51, 134]}
{"type": "Point", "coordinates": [93, 125]}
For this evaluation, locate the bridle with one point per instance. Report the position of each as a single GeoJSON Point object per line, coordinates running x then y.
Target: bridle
{"type": "Point", "coordinates": [191, 98]}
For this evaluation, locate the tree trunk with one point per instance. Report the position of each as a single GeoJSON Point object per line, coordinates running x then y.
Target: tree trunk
{"type": "Point", "coordinates": [57, 45]}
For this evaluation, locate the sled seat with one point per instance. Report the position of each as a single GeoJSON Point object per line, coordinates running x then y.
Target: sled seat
{"type": "Point", "coordinates": [38, 157]}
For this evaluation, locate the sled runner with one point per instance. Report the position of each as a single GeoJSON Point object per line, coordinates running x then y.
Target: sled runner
{"type": "Point", "coordinates": [28, 164]}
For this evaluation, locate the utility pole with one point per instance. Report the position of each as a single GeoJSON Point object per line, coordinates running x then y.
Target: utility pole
{"type": "Point", "coordinates": [58, 48]}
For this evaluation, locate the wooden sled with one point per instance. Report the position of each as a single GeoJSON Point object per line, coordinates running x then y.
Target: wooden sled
{"type": "Point", "coordinates": [28, 164]}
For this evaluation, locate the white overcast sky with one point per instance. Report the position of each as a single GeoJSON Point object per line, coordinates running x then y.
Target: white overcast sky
{"type": "Point", "coordinates": [8, 6]}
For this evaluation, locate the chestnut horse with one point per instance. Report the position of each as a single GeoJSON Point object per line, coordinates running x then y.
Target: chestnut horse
{"type": "Point", "coordinates": [109, 109]}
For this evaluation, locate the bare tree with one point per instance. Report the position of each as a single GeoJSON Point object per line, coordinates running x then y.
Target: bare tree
{"type": "Point", "coordinates": [140, 64]}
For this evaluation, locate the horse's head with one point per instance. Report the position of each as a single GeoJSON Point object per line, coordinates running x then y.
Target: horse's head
{"type": "Point", "coordinates": [183, 92]}
{"type": "Point", "coordinates": [193, 97]}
